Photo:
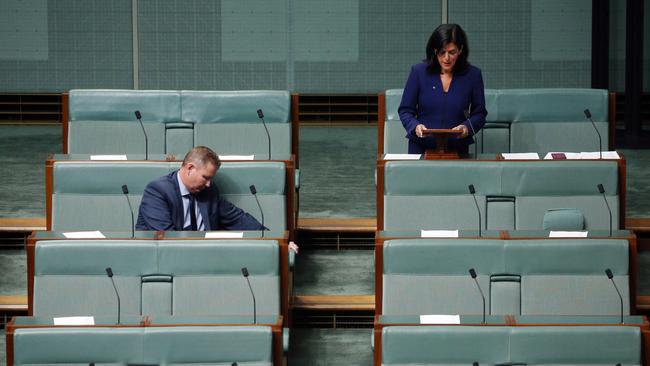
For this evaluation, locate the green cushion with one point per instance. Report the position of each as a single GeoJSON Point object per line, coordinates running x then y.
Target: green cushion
{"type": "Point", "coordinates": [563, 219]}
{"type": "Point", "coordinates": [245, 139]}
{"type": "Point", "coordinates": [102, 105]}
{"type": "Point", "coordinates": [393, 100]}
{"type": "Point", "coordinates": [552, 105]}
{"type": "Point", "coordinates": [235, 106]}
{"type": "Point", "coordinates": [115, 137]}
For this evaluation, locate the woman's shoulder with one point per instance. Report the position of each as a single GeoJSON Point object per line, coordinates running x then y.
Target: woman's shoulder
{"type": "Point", "coordinates": [420, 67]}
{"type": "Point", "coordinates": [473, 71]}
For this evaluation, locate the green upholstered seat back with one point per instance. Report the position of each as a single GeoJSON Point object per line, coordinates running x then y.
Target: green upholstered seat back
{"type": "Point", "coordinates": [541, 345]}
{"type": "Point", "coordinates": [103, 121]}
{"type": "Point", "coordinates": [511, 195]}
{"type": "Point", "coordinates": [171, 277]}
{"type": "Point", "coordinates": [88, 195]}
{"type": "Point", "coordinates": [524, 120]}
{"type": "Point", "coordinates": [200, 345]}
{"type": "Point", "coordinates": [527, 277]}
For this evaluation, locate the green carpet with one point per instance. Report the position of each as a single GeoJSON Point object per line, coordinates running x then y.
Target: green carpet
{"type": "Point", "coordinates": [331, 347]}
{"type": "Point", "coordinates": [331, 272]}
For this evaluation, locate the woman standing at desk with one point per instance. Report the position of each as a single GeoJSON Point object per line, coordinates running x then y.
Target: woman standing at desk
{"type": "Point", "coordinates": [439, 91]}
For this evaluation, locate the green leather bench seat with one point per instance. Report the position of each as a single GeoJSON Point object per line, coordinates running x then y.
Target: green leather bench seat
{"type": "Point", "coordinates": [200, 345]}
{"type": "Point", "coordinates": [511, 195]}
{"type": "Point", "coordinates": [103, 121]}
{"type": "Point", "coordinates": [226, 120]}
{"type": "Point", "coordinates": [169, 277]}
{"type": "Point", "coordinates": [88, 195]}
{"type": "Point", "coordinates": [518, 277]}
{"type": "Point", "coordinates": [524, 120]}
{"type": "Point", "coordinates": [540, 345]}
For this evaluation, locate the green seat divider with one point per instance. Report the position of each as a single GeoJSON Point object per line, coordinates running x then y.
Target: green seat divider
{"type": "Point", "coordinates": [204, 272]}
{"type": "Point", "coordinates": [505, 294]}
{"type": "Point", "coordinates": [60, 346]}
{"type": "Point", "coordinates": [179, 138]}
{"type": "Point", "coordinates": [493, 138]}
{"type": "Point", "coordinates": [208, 345]}
{"type": "Point", "coordinates": [395, 141]}
{"type": "Point", "coordinates": [567, 219]}
{"type": "Point", "coordinates": [499, 214]}
{"type": "Point", "coordinates": [157, 295]}
{"type": "Point", "coordinates": [444, 345]}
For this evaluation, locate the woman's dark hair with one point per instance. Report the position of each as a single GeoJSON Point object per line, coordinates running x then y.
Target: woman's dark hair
{"type": "Point", "coordinates": [442, 36]}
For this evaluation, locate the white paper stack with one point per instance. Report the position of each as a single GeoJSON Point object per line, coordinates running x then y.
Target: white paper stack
{"type": "Point", "coordinates": [236, 157]}
{"type": "Point", "coordinates": [84, 235]}
{"type": "Point", "coordinates": [107, 157]}
{"type": "Point", "coordinates": [74, 320]}
{"type": "Point", "coordinates": [439, 234]}
{"type": "Point", "coordinates": [402, 156]}
{"type": "Point", "coordinates": [520, 156]}
{"type": "Point", "coordinates": [568, 234]}
{"type": "Point", "coordinates": [224, 235]}
{"type": "Point", "coordinates": [439, 319]}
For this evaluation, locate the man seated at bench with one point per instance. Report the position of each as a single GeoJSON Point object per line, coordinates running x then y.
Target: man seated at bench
{"type": "Point", "coordinates": [187, 200]}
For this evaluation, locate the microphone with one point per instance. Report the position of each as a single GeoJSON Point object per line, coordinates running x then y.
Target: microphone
{"type": "Point", "coordinates": [472, 273]}
{"type": "Point", "coordinates": [600, 142]}
{"type": "Point", "coordinates": [472, 191]}
{"type": "Point", "coordinates": [601, 189]}
{"type": "Point", "coordinates": [466, 112]}
{"type": "Point", "coordinates": [109, 273]}
{"type": "Point", "coordinates": [610, 275]}
{"type": "Point", "coordinates": [146, 140]}
{"type": "Point", "coordinates": [475, 363]}
{"type": "Point", "coordinates": [254, 193]}
{"type": "Point", "coordinates": [260, 114]}
{"type": "Point", "coordinates": [125, 190]}
{"type": "Point", "coordinates": [244, 271]}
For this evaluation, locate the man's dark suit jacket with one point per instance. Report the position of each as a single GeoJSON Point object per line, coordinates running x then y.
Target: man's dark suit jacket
{"type": "Point", "coordinates": [162, 208]}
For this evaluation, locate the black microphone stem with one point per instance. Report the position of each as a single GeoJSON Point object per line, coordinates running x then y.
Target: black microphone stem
{"type": "Point", "coordinates": [244, 272]}
{"type": "Point", "coordinates": [109, 273]}
{"type": "Point", "coordinates": [125, 190]}
{"type": "Point", "coordinates": [600, 142]}
{"type": "Point", "coordinates": [473, 133]}
{"type": "Point", "coordinates": [260, 114]}
{"type": "Point", "coordinates": [601, 189]}
{"type": "Point", "coordinates": [146, 140]}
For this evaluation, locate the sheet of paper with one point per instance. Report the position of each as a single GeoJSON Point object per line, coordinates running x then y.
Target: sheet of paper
{"type": "Point", "coordinates": [107, 157]}
{"type": "Point", "coordinates": [74, 320]}
{"type": "Point", "coordinates": [569, 155]}
{"type": "Point", "coordinates": [402, 156]}
{"type": "Point", "coordinates": [439, 234]}
{"type": "Point", "coordinates": [237, 157]}
{"type": "Point", "coordinates": [224, 235]}
{"type": "Point", "coordinates": [568, 234]}
{"type": "Point", "coordinates": [439, 319]}
{"type": "Point", "coordinates": [84, 235]}
{"type": "Point", "coordinates": [520, 156]}
{"type": "Point", "coordinates": [596, 155]}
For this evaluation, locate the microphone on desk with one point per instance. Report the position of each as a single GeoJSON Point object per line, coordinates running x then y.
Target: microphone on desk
{"type": "Point", "coordinates": [125, 191]}
{"type": "Point", "coordinates": [146, 140]}
{"type": "Point", "coordinates": [260, 114]}
{"type": "Point", "coordinates": [472, 191]}
{"type": "Point", "coordinates": [466, 112]}
{"type": "Point", "coordinates": [472, 273]}
{"type": "Point", "coordinates": [600, 142]}
{"type": "Point", "coordinates": [475, 363]}
{"type": "Point", "coordinates": [610, 275]}
{"type": "Point", "coordinates": [109, 273]}
{"type": "Point", "coordinates": [254, 193]}
{"type": "Point", "coordinates": [601, 189]}
{"type": "Point", "coordinates": [244, 271]}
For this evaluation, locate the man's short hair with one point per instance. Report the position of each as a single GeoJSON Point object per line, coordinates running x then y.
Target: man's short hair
{"type": "Point", "coordinates": [200, 156]}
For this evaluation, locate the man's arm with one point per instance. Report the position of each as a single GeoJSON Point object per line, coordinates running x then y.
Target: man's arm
{"type": "Point", "coordinates": [232, 217]}
{"type": "Point", "coordinates": [155, 211]}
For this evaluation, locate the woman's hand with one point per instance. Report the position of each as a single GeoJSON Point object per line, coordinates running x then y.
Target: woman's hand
{"type": "Point", "coordinates": [463, 128]}
{"type": "Point", "coordinates": [419, 130]}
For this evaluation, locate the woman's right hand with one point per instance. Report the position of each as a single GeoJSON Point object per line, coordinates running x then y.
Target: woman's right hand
{"type": "Point", "coordinates": [419, 130]}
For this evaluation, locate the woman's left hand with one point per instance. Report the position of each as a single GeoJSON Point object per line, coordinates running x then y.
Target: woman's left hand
{"type": "Point", "coordinates": [463, 128]}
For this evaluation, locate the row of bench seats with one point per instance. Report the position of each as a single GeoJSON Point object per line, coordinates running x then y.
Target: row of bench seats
{"type": "Point", "coordinates": [87, 195]}
{"type": "Point", "coordinates": [518, 277]}
{"type": "Point", "coordinates": [512, 195]}
{"type": "Point", "coordinates": [103, 122]}
{"type": "Point", "coordinates": [194, 345]}
{"type": "Point", "coordinates": [521, 120]}
{"type": "Point", "coordinates": [537, 345]}
{"type": "Point", "coordinates": [157, 277]}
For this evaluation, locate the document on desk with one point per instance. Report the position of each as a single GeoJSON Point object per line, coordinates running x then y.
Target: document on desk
{"type": "Point", "coordinates": [520, 156]}
{"type": "Point", "coordinates": [236, 157]}
{"type": "Point", "coordinates": [402, 156]}
{"type": "Point", "coordinates": [224, 235]}
{"type": "Point", "coordinates": [439, 319]}
{"type": "Point", "coordinates": [107, 157]}
{"type": "Point", "coordinates": [556, 155]}
{"type": "Point", "coordinates": [84, 235]}
{"type": "Point", "coordinates": [568, 234]}
{"type": "Point", "coordinates": [439, 234]}
{"type": "Point", "coordinates": [74, 320]}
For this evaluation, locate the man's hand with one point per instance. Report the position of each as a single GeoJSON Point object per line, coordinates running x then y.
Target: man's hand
{"type": "Point", "coordinates": [419, 130]}
{"type": "Point", "coordinates": [462, 128]}
{"type": "Point", "coordinates": [293, 247]}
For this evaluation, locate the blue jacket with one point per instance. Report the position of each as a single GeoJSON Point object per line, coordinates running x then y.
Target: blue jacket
{"type": "Point", "coordinates": [162, 208]}
{"type": "Point", "coordinates": [425, 102]}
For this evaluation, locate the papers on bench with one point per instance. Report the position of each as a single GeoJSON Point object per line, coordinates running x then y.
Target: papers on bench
{"type": "Point", "coordinates": [439, 234]}
{"type": "Point", "coordinates": [224, 235]}
{"type": "Point", "coordinates": [74, 320]}
{"type": "Point", "coordinates": [84, 235]}
{"type": "Point", "coordinates": [439, 319]}
{"type": "Point", "coordinates": [520, 156]}
{"type": "Point", "coordinates": [595, 155]}
{"type": "Point", "coordinates": [568, 234]}
{"type": "Point", "coordinates": [107, 157]}
{"type": "Point", "coordinates": [236, 157]}
{"type": "Point", "coordinates": [402, 156]}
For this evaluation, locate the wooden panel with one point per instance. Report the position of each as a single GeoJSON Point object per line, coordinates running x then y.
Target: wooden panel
{"type": "Point", "coordinates": [334, 302]}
